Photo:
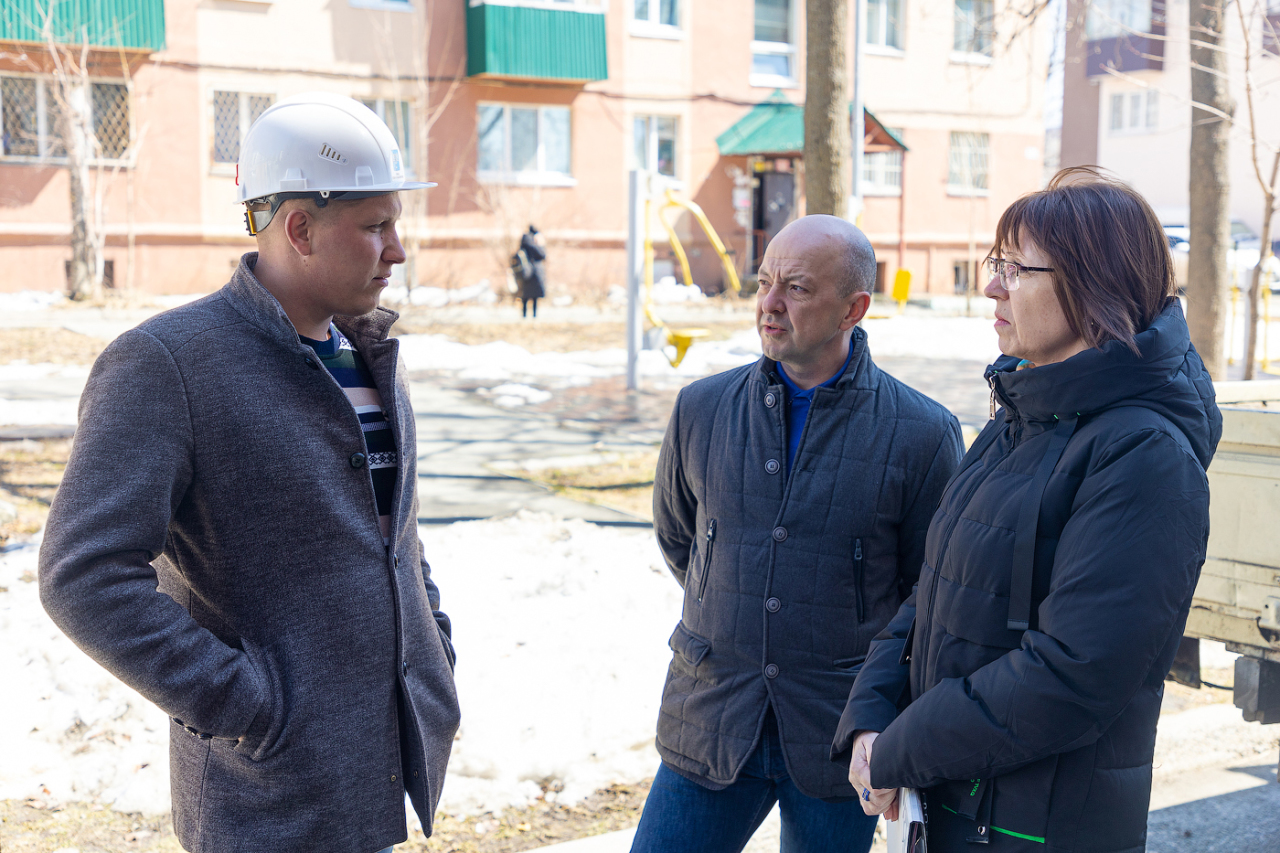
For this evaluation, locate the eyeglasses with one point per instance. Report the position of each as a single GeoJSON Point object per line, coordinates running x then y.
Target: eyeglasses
{"type": "Point", "coordinates": [1008, 271]}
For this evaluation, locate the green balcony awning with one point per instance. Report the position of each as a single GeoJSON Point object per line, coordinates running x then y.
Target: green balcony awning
{"type": "Point", "coordinates": [536, 43]}
{"type": "Point", "coordinates": [775, 128]}
{"type": "Point", "coordinates": [128, 24]}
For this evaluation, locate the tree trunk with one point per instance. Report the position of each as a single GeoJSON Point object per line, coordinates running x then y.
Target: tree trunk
{"type": "Point", "coordinates": [826, 107]}
{"type": "Point", "coordinates": [1255, 281]}
{"type": "Point", "coordinates": [1210, 189]}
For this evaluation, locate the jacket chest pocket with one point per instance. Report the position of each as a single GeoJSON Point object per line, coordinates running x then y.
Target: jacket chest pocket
{"type": "Point", "coordinates": [708, 548]}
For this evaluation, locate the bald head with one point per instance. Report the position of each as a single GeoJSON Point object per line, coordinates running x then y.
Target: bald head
{"type": "Point", "coordinates": [833, 244]}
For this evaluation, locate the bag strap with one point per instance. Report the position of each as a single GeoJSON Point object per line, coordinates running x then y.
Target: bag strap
{"type": "Point", "coordinates": [1024, 542]}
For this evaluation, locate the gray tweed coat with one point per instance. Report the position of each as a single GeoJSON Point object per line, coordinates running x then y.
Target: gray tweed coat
{"type": "Point", "coordinates": [215, 545]}
{"type": "Point", "coordinates": [788, 578]}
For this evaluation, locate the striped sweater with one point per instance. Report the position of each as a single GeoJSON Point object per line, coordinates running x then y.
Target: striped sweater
{"type": "Point", "coordinates": [346, 366]}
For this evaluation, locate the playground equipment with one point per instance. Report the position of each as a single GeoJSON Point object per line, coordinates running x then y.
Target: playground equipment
{"type": "Point", "coordinates": [645, 188]}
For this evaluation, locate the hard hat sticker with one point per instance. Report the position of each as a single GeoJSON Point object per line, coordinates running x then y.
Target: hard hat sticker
{"type": "Point", "coordinates": [327, 152]}
{"type": "Point", "coordinates": [395, 159]}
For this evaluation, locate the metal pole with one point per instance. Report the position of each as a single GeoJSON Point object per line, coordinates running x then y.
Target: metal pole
{"type": "Point", "coordinates": [859, 130]}
{"type": "Point", "coordinates": [637, 190]}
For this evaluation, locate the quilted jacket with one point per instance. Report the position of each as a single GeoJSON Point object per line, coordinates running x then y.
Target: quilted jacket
{"type": "Point", "coordinates": [1042, 739]}
{"type": "Point", "coordinates": [788, 577]}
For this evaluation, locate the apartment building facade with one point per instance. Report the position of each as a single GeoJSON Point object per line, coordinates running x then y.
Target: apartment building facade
{"type": "Point", "coordinates": [1127, 99]}
{"type": "Point", "coordinates": [533, 112]}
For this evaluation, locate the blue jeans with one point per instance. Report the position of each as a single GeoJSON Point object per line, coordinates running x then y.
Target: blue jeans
{"type": "Point", "coordinates": [681, 816]}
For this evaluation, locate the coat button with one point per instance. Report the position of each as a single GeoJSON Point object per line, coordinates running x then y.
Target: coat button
{"type": "Point", "coordinates": [771, 399]}
{"type": "Point", "coordinates": [404, 667]}
{"type": "Point", "coordinates": [772, 466]}
{"type": "Point", "coordinates": [773, 605]}
{"type": "Point", "coordinates": [393, 777]}
{"type": "Point", "coordinates": [357, 460]}
{"type": "Point", "coordinates": [771, 671]}
{"type": "Point", "coordinates": [311, 362]}
{"type": "Point", "coordinates": [779, 534]}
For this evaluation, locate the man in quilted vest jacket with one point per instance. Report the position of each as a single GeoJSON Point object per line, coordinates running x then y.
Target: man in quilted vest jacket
{"type": "Point", "coordinates": [791, 503]}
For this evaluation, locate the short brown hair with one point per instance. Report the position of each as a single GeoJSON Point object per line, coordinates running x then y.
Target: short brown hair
{"type": "Point", "coordinates": [1113, 271]}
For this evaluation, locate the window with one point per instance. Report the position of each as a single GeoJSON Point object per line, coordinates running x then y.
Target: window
{"type": "Point", "coordinates": [884, 23]}
{"type": "Point", "coordinates": [524, 144]}
{"type": "Point", "coordinates": [960, 275]}
{"type": "Point", "coordinates": [882, 173]}
{"type": "Point", "coordinates": [1271, 30]}
{"type": "Point", "coordinates": [655, 15]}
{"type": "Point", "coordinates": [30, 119]}
{"type": "Point", "coordinates": [773, 51]}
{"type": "Point", "coordinates": [1114, 18]}
{"type": "Point", "coordinates": [655, 144]}
{"type": "Point", "coordinates": [233, 112]}
{"type": "Point", "coordinates": [397, 116]}
{"type": "Point", "coordinates": [974, 27]}
{"type": "Point", "coordinates": [1135, 112]}
{"type": "Point", "coordinates": [968, 163]}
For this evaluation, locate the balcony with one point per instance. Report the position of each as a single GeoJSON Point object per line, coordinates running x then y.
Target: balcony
{"type": "Point", "coordinates": [537, 42]}
{"type": "Point", "coordinates": [114, 24]}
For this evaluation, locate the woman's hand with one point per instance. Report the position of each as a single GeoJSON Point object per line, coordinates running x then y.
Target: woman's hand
{"type": "Point", "coordinates": [874, 800]}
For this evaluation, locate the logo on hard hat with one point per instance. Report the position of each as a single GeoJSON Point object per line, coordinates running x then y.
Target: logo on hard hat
{"type": "Point", "coordinates": [395, 159]}
{"type": "Point", "coordinates": [327, 152]}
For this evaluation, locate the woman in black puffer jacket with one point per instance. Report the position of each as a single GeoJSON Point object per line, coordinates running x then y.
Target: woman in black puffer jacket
{"type": "Point", "coordinates": [1020, 685]}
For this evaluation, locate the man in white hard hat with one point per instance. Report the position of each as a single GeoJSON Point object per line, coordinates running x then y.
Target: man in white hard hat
{"type": "Point", "coordinates": [235, 536]}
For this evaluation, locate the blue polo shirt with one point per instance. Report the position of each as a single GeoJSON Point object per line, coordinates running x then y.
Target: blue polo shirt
{"type": "Point", "coordinates": [798, 403]}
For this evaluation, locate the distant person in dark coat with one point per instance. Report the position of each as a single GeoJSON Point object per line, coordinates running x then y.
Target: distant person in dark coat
{"type": "Point", "coordinates": [1062, 560]}
{"type": "Point", "coordinates": [791, 502]}
{"type": "Point", "coordinates": [534, 285]}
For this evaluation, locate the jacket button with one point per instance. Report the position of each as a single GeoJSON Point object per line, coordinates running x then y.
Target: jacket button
{"type": "Point", "coordinates": [771, 399]}
{"type": "Point", "coordinates": [772, 466]}
{"type": "Point", "coordinates": [404, 667]}
{"type": "Point", "coordinates": [771, 671]}
{"type": "Point", "coordinates": [357, 460]}
{"type": "Point", "coordinates": [311, 362]}
{"type": "Point", "coordinates": [773, 605]}
{"type": "Point", "coordinates": [393, 777]}
{"type": "Point", "coordinates": [779, 534]}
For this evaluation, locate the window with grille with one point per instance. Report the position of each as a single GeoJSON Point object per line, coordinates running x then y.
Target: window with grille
{"type": "Point", "coordinates": [397, 115]}
{"type": "Point", "coordinates": [233, 113]}
{"type": "Point", "coordinates": [968, 163]}
{"type": "Point", "coordinates": [884, 23]}
{"type": "Point", "coordinates": [519, 143]}
{"type": "Point", "coordinates": [31, 123]}
{"type": "Point", "coordinates": [655, 144]}
{"type": "Point", "coordinates": [974, 30]}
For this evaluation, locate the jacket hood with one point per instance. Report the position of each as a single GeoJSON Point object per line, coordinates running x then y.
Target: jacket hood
{"type": "Point", "coordinates": [1168, 377]}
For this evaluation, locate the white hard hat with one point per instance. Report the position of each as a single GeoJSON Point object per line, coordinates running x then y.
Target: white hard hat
{"type": "Point", "coordinates": [317, 145]}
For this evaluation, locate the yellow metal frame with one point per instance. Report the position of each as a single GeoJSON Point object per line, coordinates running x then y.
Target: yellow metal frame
{"type": "Point", "coordinates": [681, 339]}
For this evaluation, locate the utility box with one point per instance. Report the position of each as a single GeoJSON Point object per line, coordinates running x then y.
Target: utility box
{"type": "Point", "coordinates": [1237, 601]}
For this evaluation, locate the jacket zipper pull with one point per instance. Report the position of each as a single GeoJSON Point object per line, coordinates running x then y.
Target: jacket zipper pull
{"type": "Point", "coordinates": [991, 380]}
{"type": "Point", "coordinates": [857, 567]}
{"type": "Point", "coordinates": [706, 561]}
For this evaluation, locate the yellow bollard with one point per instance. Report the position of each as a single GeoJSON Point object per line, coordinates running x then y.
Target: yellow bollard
{"type": "Point", "coordinates": [902, 288]}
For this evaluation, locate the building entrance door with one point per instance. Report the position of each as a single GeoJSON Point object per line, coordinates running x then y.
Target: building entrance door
{"type": "Point", "coordinates": [774, 203]}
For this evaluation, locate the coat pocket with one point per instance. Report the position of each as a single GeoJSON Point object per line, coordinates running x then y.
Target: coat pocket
{"type": "Point", "coordinates": [852, 665]}
{"type": "Point", "coordinates": [860, 588]}
{"type": "Point", "coordinates": [689, 646]}
{"type": "Point", "coordinates": [264, 734]}
{"type": "Point", "coordinates": [706, 558]}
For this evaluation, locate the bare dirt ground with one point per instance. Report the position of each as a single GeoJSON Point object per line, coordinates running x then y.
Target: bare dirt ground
{"type": "Point", "coordinates": [29, 475]}
{"type": "Point", "coordinates": [545, 336]}
{"type": "Point", "coordinates": [48, 345]}
{"type": "Point", "coordinates": [37, 826]}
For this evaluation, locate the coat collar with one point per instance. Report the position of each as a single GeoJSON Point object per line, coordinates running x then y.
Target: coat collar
{"type": "Point", "coordinates": [856, 373]}
{"type": "Point", "coordinates": [257, 305]}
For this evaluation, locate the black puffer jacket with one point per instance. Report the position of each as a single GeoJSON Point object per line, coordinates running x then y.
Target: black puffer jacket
{"type": "Point", "coordinates": [788, 578]}
{"type": "Point", "coordinates": [1042, 739]}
